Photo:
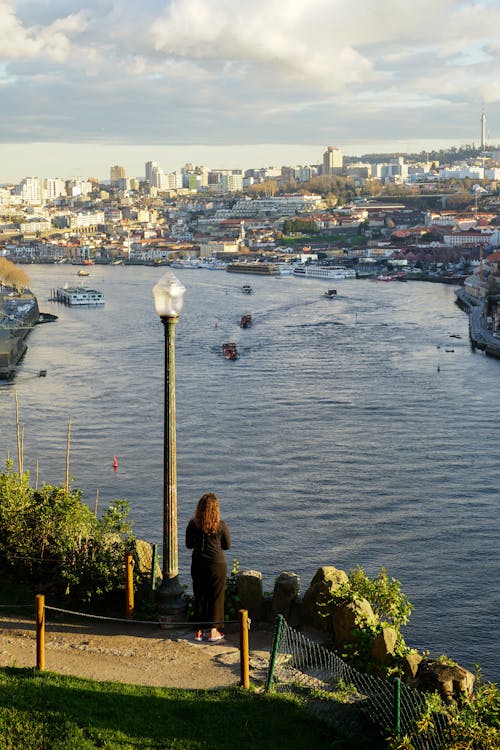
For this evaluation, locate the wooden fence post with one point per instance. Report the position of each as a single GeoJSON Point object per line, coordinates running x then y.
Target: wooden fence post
{"type": "Point", "coordinates": [129, 586]}
{"type": "Point", "coordinates": [40, 632]}
{"type": "Point", "coordinates": [244, 658]}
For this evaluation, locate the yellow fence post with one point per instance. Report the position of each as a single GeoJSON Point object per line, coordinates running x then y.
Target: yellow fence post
{"type": "Point", "coordinates": [244, 658]}
{"type": "Point", "coordinates": [129, 586]}
{"type": "Point", "coordinates": [40, 632]}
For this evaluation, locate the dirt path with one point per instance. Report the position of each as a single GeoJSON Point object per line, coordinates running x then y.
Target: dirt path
{"type": "Point", "coordinates": [141, 655]}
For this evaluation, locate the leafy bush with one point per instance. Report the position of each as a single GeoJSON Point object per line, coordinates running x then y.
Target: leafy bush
{"type": "Point", "coordinates": [473, 723]}
{"type": "Point", "coordinates": [50, 538]}
{"type": "Point", "coordinates": [390, 608]}
{"type": "Point", "coordinates": [232, 604]}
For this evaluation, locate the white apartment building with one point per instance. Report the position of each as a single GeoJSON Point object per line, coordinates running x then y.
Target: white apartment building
{"type": "Point", "coordinates": [148, 168]}
{"type": "Point", "coordinates": [53, 187]}
{"type": "Point", "coordinates": [230, 183]}
{"type": "Point", "coordinates": [86, 219]}
{"type": "Point", "coordinates": [461, 172]}
{"type": "Point", "coordinates": [30, 189]}
{"type": "Point", "coordinates": [393, 171]}
{"type": "Point", "coordinates": [280, 204]}
{"type": "Point", "coordinates": [332, 160]}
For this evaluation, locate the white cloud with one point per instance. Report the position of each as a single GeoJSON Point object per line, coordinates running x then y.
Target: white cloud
{"type": "Point", "coordinates": [242, 70]}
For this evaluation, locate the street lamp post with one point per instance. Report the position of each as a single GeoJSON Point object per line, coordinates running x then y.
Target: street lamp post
{"type": "Point", "coordinates": [169, 297]}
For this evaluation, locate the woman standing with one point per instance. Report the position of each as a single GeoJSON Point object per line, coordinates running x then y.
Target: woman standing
{"type": "Point", "coordinates": [208, 535]}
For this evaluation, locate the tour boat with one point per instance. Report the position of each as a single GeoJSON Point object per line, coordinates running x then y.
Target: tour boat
{"type": "Point", "coordinates": [330, 293]}
{"type": "Point", "coordinates": [245, 321]}
{"type": "Point", "coordinates": [229, 350]}
{"type": "Point", "coordinates": [310, 270]}
{"type": "Point", "coordinates": [246, 289]}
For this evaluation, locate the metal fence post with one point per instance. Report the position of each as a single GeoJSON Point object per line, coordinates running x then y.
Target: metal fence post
{"type": "Point", "coordinates": [274, 651]}
{"type": "Point", "coordinates": [397, 707]}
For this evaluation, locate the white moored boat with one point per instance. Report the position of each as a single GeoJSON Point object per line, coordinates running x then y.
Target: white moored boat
{"type": "Point", "coordinates": [79, 296]}
{"type": "Point", "coordinates": [309, 270]}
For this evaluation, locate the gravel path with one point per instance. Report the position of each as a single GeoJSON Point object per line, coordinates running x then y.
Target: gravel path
{"type": "Point", "coordinates": [141, 655]}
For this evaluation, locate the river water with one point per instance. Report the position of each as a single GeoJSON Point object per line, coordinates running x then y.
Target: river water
{"type": "Point", "coordinates": [347, 433]}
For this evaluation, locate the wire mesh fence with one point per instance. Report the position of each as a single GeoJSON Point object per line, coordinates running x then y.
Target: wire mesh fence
{"type": "Point", "coordinates": [356, 701]}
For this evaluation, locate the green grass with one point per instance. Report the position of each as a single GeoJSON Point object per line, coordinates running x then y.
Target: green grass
{"type": "Point", "coordinates": [53, 712]}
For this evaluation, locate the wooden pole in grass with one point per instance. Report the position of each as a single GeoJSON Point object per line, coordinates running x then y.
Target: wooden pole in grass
{"type": "Point", "coordinates": [244, 660]}
{"type": "Point", "coordinates": [40, 632]}
{"type": "Point", "coordinates": [129, 586]}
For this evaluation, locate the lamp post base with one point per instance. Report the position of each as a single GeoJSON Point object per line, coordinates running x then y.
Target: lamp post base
{"type": "Point", "coordinates": [170, 598]}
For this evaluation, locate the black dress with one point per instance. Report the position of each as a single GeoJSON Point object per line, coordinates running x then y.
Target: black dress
{"type": "Point", "coordinates": [209, 572]}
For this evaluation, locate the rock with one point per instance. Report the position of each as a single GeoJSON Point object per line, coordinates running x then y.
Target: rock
{"type": "Point", "coordinates": [382, 647]}
{"type": "Point", "coordinates": [143, 555]}
{"type": "Point", "coordinates": [250, 592]}
{"type": "Point", "coordinates": [410, 665]}
{"type": "Point", "coordinates": [318, 596]}
{"type": "Point", "coordinates": [345, 617]}
{"type": "Point", "coordinates": [286, 589]}
{"type": "Point", "coordinates": [452, 682]}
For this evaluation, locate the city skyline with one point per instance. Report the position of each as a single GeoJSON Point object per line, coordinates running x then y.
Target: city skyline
{"type": "Point", "coordinates": [233, 85]}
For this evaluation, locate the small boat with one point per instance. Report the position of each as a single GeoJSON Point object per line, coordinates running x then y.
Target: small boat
{"type": "Point", "coordinates": [229, 350]}
{"type": "Point", "coordinates": [246, 289]}
{"type": "Point", "coordinates": [83, 272]}
{"type": "Point", "coordinates": [330, 293]}
{"type": "Point", "coordinates": [246, 321]}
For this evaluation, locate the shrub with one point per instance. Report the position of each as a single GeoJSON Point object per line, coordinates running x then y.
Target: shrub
{"type": "Point", "coordinates": [50, 538]}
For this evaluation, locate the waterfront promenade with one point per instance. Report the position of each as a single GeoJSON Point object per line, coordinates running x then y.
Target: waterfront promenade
{"type": "Point", "coordinates": [480, 335]}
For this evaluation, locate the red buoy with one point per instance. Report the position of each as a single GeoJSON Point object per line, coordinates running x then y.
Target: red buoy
{"type": "Point", "coordinates": [115, 462]}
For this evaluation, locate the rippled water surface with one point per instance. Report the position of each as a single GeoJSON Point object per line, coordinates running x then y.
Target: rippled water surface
{"type": "Point", "coordinates": [345, 434]}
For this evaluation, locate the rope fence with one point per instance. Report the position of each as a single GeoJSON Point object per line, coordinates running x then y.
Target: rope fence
{"type": "Point", "coordinates": [41, 608]}
{"type": "Point", "coordinates": [351, 697]}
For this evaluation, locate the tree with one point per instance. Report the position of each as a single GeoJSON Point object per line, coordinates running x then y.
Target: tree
{"type": "Point", "coordinates": [11, 275]}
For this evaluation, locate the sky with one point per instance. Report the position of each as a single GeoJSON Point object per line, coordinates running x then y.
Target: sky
{"type": "Point", "coordinates": [86, 84]}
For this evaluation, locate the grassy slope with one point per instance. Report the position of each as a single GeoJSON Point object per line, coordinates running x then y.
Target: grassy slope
{"type": "Point", "coordinates": [56, 712]}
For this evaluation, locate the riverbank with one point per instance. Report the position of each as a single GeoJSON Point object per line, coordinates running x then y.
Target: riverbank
{"type": "Point", "coordinates": [19, 312]}
{"type": "Point", "coordinates": [480, 335]}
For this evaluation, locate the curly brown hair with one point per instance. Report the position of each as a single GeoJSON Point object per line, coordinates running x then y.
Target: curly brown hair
{"type": "Point", "coordinates": [207, 515]}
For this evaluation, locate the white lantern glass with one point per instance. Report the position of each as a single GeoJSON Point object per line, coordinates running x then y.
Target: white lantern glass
{"type": "Point", "coordinates": [169, 296]}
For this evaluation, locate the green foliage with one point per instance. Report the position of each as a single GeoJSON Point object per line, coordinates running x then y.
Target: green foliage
{"type": "Point", "coordinates": [49, 538]}
{"type": "Point", "coordinates": [473, 723]}
{"type": "Point", "coordinates": [389, 603]}
{"type": "Point", "coordinates": [303, 226]}
{"type": "Point", "coordinates": [390, 607]}
{"type": "Point", "coordinates": [232, 603]}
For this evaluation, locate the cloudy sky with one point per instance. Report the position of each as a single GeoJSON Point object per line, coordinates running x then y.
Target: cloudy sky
{"type": "Point", "coordinates": [90, 83]}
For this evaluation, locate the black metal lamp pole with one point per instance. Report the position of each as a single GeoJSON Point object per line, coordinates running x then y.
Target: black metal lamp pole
{"type": "Point", "coordinates": [170, 594]}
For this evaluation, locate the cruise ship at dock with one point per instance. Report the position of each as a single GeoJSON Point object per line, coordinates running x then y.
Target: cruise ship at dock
{"type": "Point", "coordinates": [262, 269]}
{"type": "Point", "coordinates": [312, 271]}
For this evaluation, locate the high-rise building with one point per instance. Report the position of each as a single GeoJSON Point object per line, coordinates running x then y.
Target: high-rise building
{"type": "Point", "coordinates": [149, 167]}
{"type": "Point", "coordinates": [116, 173]}
{"type": "Point", "coordinates": [332, 160]}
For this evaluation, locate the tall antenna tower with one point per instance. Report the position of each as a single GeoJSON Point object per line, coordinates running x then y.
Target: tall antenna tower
{"type": "Point", "coordinates": [483, 131]}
